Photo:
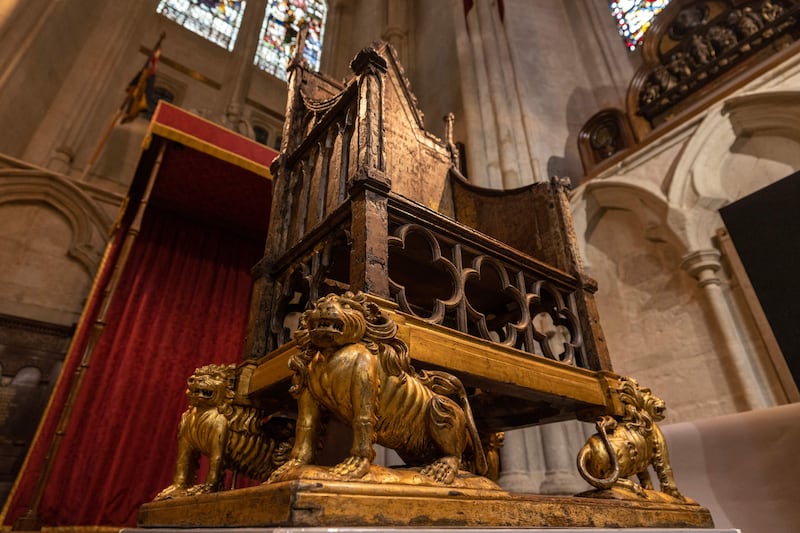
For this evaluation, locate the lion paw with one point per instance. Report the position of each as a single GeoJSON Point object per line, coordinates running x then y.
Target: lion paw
{"type": "Point", "coordinates": [173, 491]}
{"type": "Point", "coordinates": [674, 493]}
{"type": "Point", "coordinates": [352, 468]}
{"type": "Point", "coordinates": [203, 488]}
{"type": "Point", "coordinates": [283, 471]}
{"type": "Point", "coordinates": [442, 471]}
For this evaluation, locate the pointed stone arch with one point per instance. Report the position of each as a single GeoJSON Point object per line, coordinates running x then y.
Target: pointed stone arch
{"type": "Point", "coordinates": [88, 223]}
{"type": "Point", "coordinates": [760, 128]}
{"type": "Point", "coordinates": [649, 205]}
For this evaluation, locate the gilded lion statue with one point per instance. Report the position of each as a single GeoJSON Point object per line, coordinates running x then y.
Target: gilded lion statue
{"type": "Point", "coordinates": [627, 447]}
{"type": "Point", "coordinates": [232, 436]}
{"type": "Point", "coordinates": [352, 366]}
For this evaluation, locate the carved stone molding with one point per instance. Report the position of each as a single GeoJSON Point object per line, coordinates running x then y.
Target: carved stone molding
{"type": "Point", "coordinates": [87, 221]}
{"type": "Point", "coordinates": [703, 265]}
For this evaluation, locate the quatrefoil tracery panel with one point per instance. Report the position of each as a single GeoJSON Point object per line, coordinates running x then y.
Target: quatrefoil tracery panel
{"type": "Point", "coordinates": [554, 325]}
{"type": "Point", "coordinates": [426, 280]}
{"type": "Point", "coordinates": [496, 306]}
{"type": "Point", "coordinates": [443, 283]}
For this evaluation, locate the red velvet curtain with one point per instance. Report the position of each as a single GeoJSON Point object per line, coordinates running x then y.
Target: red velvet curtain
{"type": "Point", "coordinates": [181, 302]}
{"type": "Point", "coordinates": [22, 495]}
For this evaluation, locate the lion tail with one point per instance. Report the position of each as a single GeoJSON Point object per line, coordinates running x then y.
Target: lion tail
{"type": "Point", "coordinates": [585, 456]}
{"type": "Point", "coordinates": [448, 385]}
{"type": "Point", "coordinates": [481, 464]}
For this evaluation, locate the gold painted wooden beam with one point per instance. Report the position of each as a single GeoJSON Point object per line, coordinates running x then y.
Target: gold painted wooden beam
{"type": "Point", "coordinates": [479, 363]}
{"type": "Point", "coordinates": [307, 503]}
{"type": "Point", "coordinates": [491, 363]}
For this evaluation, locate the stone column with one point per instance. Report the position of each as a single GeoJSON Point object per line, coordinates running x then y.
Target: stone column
{"type": "Point", "coordinates": [483, 103]}
{"type": "Point", "coordinates": [500, 156]}
{"type": "Point", "coordinates": [703, 265]}
{"type": "Point", "coordinates": [514, 469]}
{"type": "Point", "coordinates": [94, 88]}
{"type": "Point", "coordinates": [395, 32]}
{"type": "Point", "coordinates": [487, 43]}
{"type": "Point", "coordinates": [560, 445]}
{"type": "Point", "coordinates": [490, 83]}
{"type": "Point", "coordinates": [484, 170]}
{"type": "Point", "coordinates": [241, 65]}
{"type": "Point", "coordinates": [331, 49]}
{"type": "Point", "coordinates": [508, 95]}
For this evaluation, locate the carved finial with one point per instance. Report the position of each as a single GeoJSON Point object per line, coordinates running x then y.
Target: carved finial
{"type": "Point", "coordinates": [449, 123]}
{"type": "Point", "coordinates": [563, 182]}
{"type": "Point", "coordinates": [300, 45]}
{"type": "Point", "coordinates": [366, 60]}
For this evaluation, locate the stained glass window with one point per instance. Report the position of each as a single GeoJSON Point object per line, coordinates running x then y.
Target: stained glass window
{"type": "Point", "coordinates": [215, 20]}
{"type": "Point", "coordinates": [634, 18]}
{"type": "Point", "coordinates": [279, 33]}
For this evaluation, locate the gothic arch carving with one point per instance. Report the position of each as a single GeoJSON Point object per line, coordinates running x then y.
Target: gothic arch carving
{"type": "Point", "coordinates": [659, 221]}
{"type": "Point", "coordinates": [88, 223]}
{"type": "Point", "coordinates": [694, 48]}
{"type": "Point", "coordinates": [701, 184]}
{"type": "Point", "coordinates": [710, 142]}
{"type": "Point", "coordinates": [765, 113]}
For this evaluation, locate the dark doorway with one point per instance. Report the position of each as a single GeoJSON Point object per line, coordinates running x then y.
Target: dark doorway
{"type": "Point", "coordinates": [765, 228]}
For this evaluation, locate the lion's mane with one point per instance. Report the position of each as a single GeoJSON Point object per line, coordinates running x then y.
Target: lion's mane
{"type": "Point", "coordinates": [364, 322]}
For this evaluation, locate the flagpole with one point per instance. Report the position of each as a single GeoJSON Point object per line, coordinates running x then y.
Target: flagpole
{"type": "Point", "coordinates": [129, 101]}
{"type": "Point", "coordinates": [30, 521]}
{"type": "Point", "coordinates": [100, 145]}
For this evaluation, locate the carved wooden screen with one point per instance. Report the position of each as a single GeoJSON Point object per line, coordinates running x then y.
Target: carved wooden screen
{"type": "Point", "coordinates": [696, 46]}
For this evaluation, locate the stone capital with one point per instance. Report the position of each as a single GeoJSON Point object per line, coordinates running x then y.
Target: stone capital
{"type": "Point", "coordinates": [703, 265]}
{"type": "Point", "coordinates": [61, 159]}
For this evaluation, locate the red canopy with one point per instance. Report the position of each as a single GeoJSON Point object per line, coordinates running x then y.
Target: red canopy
{"type": "Point", "coordinates": [172, 294]}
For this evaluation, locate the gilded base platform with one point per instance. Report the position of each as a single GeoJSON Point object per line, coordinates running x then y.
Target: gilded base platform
{"type": "Point", "coordinates": [302, 503]}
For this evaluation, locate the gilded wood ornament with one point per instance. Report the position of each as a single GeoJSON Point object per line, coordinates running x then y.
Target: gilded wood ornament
{"type": "Point", "coordinates": [626, 445]}
{"type": "Point", "coordinates": [352, 365]}
{"type": "Point", "coordinates": [695, 47]}
{"type": "Point", "coordinates": [695, 54]}
{"type": "Point", "coordinates": [335, 504]}
{"type": "Point", "coordinates": [232, 436]}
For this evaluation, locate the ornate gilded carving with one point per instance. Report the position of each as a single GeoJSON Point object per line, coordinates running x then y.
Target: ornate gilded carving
{"type": "Point", "coordinates": [626, 446]}
{"type": "Point", "coordinates": [709, 38]}
{"type": "Point", "coordinates": [353, 366]}
{"type": "Point", "coordinates": [231, 436]}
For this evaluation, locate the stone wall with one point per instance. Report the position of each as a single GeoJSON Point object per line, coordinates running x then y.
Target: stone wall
{"type": "Point", "coordinates": [673, 314]}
